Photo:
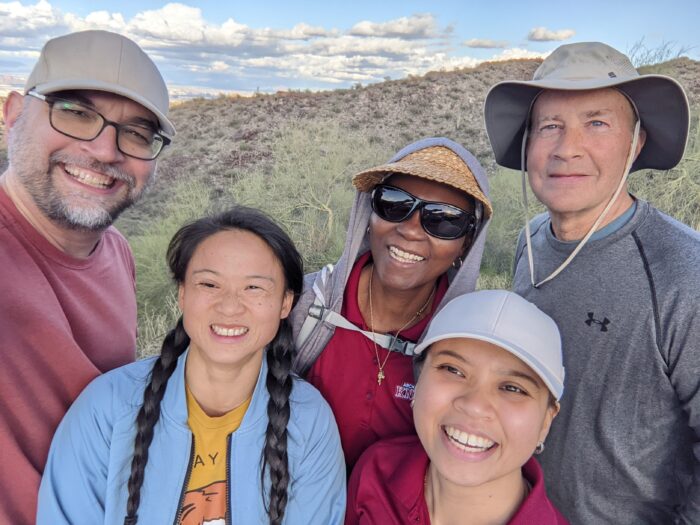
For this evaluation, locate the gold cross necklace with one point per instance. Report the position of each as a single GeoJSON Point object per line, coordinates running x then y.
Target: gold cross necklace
{"type": "Point", "coordinates": [421, 310]}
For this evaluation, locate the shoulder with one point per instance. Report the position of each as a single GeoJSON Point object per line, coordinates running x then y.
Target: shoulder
{"type": "Point", "coordinates": [670, 249]}
{"type": "Point", "coordinates": [399, 459]}
{"type": "Point", "coordinates": [115, 393]}
{"type": "Point", "coordinates": [116, 243]}
{"type": "Point", "coordinates": [309, 408]}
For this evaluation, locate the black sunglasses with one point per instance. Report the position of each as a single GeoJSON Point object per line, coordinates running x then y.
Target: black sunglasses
{"type": "Point", "coordinates": [438, 219]}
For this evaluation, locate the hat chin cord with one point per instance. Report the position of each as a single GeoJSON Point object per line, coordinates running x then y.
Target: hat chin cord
{"type": "Point", "coordinates": [593, 228]}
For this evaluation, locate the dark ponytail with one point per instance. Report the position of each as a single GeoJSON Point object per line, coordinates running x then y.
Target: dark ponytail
{"type": "Point", "coordinates": [279, 356]}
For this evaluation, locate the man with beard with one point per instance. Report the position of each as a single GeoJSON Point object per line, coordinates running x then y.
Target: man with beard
{"type": "Point", "coordinates": [82, 145]}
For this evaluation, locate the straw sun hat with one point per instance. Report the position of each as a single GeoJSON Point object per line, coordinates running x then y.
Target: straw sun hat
{"type": "Point", "coordinates": [436, 163]}
{"type": "Point", "coordinates": [660, 101]}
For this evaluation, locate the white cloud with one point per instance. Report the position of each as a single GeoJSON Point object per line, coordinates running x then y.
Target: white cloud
{"type": "Point", "coordinates": [542, 34]}
{"type": "Point", "coordinates": [416, 26]}
{"type": "Point", "coordinates": [485, 43]}
{"type": "Point", "coordinates": [194, 52]}
{"type": "Point", "coordinates": [517, 53]}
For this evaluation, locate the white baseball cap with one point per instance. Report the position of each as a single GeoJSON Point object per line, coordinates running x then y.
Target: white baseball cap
{"type": "Point", "coordinates": [508, 321]}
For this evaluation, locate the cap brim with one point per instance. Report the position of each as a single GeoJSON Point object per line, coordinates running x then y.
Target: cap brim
{"type": "Point", "coordinates": [660, 100]}
{"type": "Point", "coordinates": [167, 127]}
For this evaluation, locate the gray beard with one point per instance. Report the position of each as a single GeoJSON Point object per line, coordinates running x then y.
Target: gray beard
{"type": "Point", "coordinates": [70, 209]}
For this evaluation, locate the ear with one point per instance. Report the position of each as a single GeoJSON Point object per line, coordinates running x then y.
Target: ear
{"type": "Point", "coordinates": [552, 411]}
{"type": "Point", "coordinates": [180, 296]}
{"type": "Point", "coordinates": [640, 142]}
{"type": "Point", "coordinates": [12, 108]}
{"type": "Point", "coordinates": [287, 304]}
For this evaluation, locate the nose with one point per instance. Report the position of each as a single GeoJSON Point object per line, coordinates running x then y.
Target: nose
{"type": "Point", "coordinates": [475, 402]}
{"type": "Point", "coordinates": [569, 145]}
{"type": "Point", "coordinates": [411, 228]}
{"type": "Point", "coordinates": [104, 147]}
{"type": "Point", "coordinates": [229, 304]}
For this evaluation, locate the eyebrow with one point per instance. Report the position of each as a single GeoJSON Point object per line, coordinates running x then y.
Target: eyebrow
{"type": "Point", "coordinates": [76, 96]}
{"type": "Point", "coordinates": [507, 372]}
{"type": "Point", "coordinates": [587, 114]}
{"type": "Point", "coordinates": [452, 353]}
{"type": "Point", "coordinates": [520, 375]}
{"type": "Point", "coordinates": [253, 276]}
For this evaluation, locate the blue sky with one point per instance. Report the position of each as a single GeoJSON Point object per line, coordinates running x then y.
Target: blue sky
{"type": "Point", "coordinates": [209, 47]}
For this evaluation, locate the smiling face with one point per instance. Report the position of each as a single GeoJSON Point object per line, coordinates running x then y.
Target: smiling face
{"type": "Point", "coordinates": [479, 412]}
{"type": "Point", "coordinates": [405, 256]}
{"type": "Point", "coordinates": [232, 300]}
{"type": "Point", "coordinates": [82, 185]}
{"type": "Point", "coordinates": [577, 149]}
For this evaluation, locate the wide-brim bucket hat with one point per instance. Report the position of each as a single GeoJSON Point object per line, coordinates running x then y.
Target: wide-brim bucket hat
{"type": "Point", "coordinates": [436, 163]}
{"type": "Point", "coordinates": [660, 101]}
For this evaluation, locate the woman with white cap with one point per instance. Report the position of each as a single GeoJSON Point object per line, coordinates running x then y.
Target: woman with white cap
{"type": "Point", "coordinates": [491, 377]}
{"type": "Point", "coordinates": [415, 240]}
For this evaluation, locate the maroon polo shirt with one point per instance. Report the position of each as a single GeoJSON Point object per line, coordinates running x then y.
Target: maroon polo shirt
{"type": "Point", "coordinates": [388, 487]}
{"type": "Point", "coordinates": [346, 375]}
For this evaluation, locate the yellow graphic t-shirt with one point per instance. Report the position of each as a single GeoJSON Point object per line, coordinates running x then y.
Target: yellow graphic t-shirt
{"type": "Point", "coordinates": [205, 499]}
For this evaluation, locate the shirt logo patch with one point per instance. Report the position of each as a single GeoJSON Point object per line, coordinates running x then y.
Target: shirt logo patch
{"type": "Point", "coordinates": [603, 324]}
{"type": "Point", "coordinates": [405, 391]}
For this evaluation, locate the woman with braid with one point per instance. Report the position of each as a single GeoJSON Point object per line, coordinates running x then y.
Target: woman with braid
{"type": "Point", "coordinates": [216, 430]}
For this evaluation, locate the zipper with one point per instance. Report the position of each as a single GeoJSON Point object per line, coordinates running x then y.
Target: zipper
{"type": "Point", "coordinates": [228, 479]}
{"type": "Point", "coordinates": [181, 500]}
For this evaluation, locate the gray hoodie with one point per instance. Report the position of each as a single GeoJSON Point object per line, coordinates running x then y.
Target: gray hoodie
{"type": "Point", "coordinates": [332, 288]}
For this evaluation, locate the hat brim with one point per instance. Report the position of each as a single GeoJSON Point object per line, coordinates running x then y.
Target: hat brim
{"type": "Point", "coordinates": [167, 127]}
{"type": "Point", "coordinates": [366, 180]}
{"type": "Point", "coordinates": [661, 102]}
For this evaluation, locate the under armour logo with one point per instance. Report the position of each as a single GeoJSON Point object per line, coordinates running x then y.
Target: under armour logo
{"type": "Point", "coordinates": [603, 324]}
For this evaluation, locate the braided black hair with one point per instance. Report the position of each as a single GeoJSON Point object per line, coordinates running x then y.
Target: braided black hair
{"type": "Point", "coordinates": [279, 356]}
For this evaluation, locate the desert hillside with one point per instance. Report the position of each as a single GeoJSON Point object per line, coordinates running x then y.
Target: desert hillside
{"type": "Point", "coordinates": [293, 153]}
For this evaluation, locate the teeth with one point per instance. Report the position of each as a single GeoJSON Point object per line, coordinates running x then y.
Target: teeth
{"type": "Point", "coordinates": [88, 177]}
{"type": "Point", "coordinates": [469, 442]}
{"type": "Point", "coordinates": [403, 256]}
{"type": "Point", "coordinates": [228, 332]}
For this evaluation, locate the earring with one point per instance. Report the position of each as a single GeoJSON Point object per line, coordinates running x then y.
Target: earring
{"type": "Point", "coordinates": [539, 448]}
{"type": "Point", "coordinates": [457, 263]}
{"type": "Point", "coordinates": [413, 402]}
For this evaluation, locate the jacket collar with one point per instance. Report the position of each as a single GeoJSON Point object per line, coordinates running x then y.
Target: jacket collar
{"type": "Point", "coordinates": [174, 403]}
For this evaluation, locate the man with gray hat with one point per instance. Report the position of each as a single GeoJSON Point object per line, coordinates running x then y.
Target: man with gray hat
{"type": "Point", "coordinates": [619, 278]}
{"type": "Point", "coordinates": [82, 145]}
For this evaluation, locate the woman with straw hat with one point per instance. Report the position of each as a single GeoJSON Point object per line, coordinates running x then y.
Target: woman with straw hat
{"type": "Point", "coordinates": [415, 239]}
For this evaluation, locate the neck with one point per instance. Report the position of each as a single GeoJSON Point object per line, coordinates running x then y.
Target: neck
{"type": "Point", "coordinates": [574, 226]}
{"type": "Point", "coordinates": [492, 503]}
{"type": "Point", "coordinates": [217, 389]}
{"type": "Point", "coordinates": [76, 243]}
{"type": "Point", "coordinates": [392, 309]}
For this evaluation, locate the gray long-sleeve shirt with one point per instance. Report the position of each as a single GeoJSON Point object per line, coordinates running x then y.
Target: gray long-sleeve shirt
{"type": "Point", "coordinates": [625, 448]}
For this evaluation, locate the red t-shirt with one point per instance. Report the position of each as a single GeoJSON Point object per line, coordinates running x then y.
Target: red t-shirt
{"type": "Point", "coordinates": [346, 375]}
{"type": "Point", "coordinates": [388, 487]}
{"type": "Point", "coordinates": [63, 321]}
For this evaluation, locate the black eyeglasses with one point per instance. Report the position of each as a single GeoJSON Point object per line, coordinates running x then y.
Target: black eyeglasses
{"type": "Point", "coordinates": [438, 219]}
{"type": "Point", "coordinates": [81, 122]}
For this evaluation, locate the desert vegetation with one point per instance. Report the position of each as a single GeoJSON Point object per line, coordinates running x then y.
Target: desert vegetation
{"type": "Point", "coordinates": [292, 154]}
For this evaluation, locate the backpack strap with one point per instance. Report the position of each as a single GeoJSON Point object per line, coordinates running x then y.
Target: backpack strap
{"type": "Point", "coordinates": [318, 312]}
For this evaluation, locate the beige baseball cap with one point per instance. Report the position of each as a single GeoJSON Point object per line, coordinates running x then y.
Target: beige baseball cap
{"type": "Point", "coordinates": [102, 61]}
